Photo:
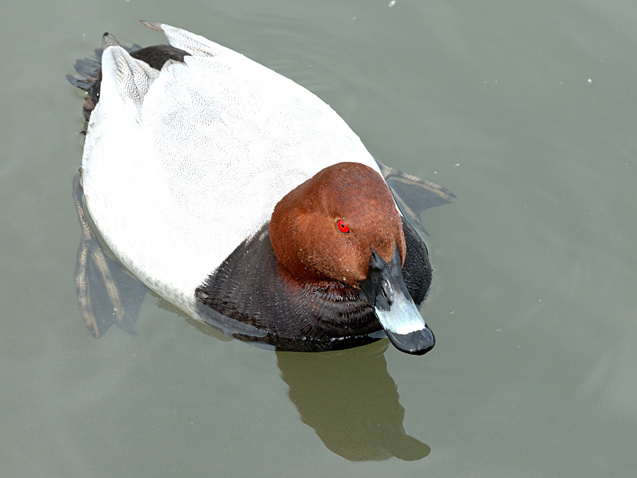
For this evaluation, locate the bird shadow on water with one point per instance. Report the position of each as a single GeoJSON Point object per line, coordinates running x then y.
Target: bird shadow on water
{"type": "Point", "coordinates": [349, 398]}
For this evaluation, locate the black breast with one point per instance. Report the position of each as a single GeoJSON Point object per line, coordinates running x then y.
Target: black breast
{"type": "Point", "coordinates": [251, 289]}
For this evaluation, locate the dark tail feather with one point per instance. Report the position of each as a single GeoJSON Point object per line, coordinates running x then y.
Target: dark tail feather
{"type": "Point", "coordinates": [90, 71]}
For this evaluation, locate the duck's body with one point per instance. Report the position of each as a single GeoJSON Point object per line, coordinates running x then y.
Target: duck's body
{"type": "Point", "coordinates": [183, 167]}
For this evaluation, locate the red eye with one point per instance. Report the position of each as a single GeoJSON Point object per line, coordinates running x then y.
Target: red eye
{"type": "Point", "coordinates": [342, 226]}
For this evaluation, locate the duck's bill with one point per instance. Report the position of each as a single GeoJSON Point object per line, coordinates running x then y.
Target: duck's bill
{"type": "Point", "coordinates": [386, 291]}
{"type": "Point", "coordinates": [405, 328]}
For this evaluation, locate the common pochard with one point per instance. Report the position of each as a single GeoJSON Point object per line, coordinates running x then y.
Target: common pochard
{"type": "Point", "coordinates": [245, 200]}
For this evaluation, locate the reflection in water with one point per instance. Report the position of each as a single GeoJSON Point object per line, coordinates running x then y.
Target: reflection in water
{"type": "Point", "coordinates": [351, 401]}
{"type": "Point", "coordinates": [107, 293]}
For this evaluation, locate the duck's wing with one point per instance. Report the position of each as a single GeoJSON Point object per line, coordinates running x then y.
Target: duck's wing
{"type": "Point", "coordinates": [107, 294]}
{"type": "Point", "coordinates": [414, 195]}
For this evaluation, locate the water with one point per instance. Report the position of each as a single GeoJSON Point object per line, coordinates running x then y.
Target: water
{"type": "Point", "coordinates": [526, 112]}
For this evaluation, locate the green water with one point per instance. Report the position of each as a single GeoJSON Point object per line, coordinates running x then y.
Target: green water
{"type": "Point", "coordinates": [526, 111]}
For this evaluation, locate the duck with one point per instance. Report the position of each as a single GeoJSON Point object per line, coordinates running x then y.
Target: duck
{"type": "Point", "coordinates": [246, 201]}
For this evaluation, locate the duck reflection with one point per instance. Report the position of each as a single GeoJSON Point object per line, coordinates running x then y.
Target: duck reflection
{"type": "Point", "coordinates": [351, 401]}
{"type": "Point", "coordinates": [107, 293]}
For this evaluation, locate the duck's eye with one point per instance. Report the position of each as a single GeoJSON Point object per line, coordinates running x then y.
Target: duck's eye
{"type": "Point", "coordinates": [342, 226]}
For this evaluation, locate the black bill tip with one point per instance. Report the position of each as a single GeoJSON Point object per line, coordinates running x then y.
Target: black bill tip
{"type": "Point", "coordinates": [418, 342]}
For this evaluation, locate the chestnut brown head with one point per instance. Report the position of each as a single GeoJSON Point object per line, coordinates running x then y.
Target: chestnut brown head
{"type": "Point", "coordinates": [325, 228]}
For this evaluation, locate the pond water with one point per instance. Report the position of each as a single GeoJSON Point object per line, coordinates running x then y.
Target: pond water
{"type": "Point", "coordinates": [526, 111]}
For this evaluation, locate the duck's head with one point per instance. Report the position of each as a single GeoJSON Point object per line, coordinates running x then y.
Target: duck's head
{"type": "Point", "coordinates": [343, 225]}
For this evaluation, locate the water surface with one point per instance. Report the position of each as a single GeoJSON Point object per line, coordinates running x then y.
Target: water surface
{"type": "Point", "coordinates": [526, 112]}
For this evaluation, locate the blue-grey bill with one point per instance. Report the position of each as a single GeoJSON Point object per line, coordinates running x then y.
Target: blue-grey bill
{"type": "Point", "coordinates": [405, 327]}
